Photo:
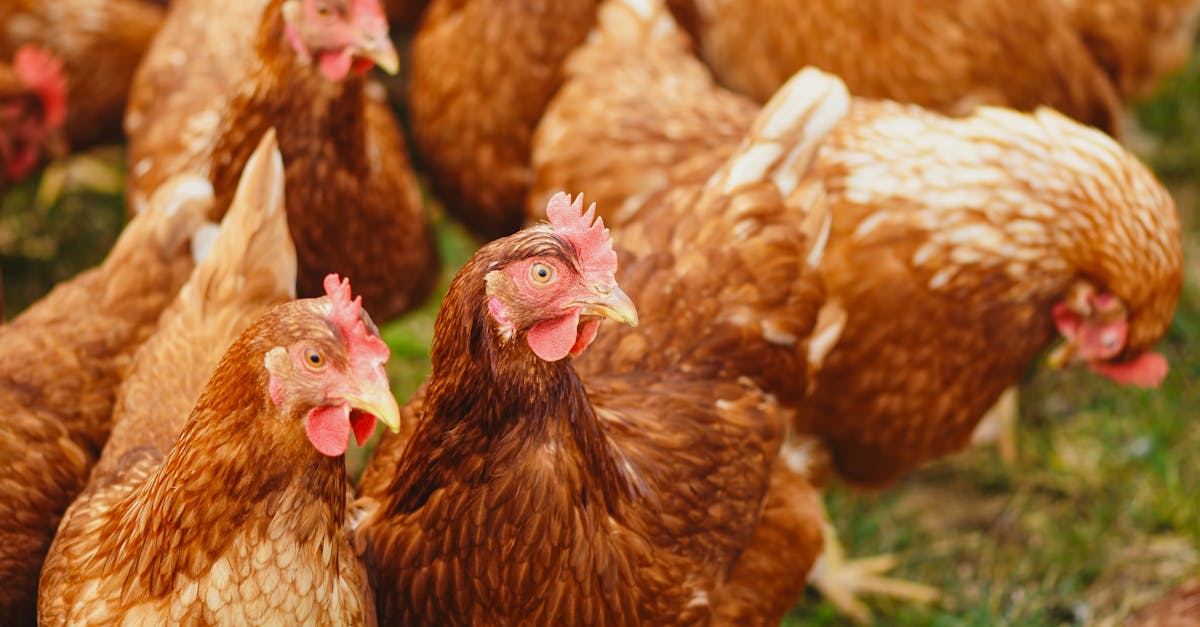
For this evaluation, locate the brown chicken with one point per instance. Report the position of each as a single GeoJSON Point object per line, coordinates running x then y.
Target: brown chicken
{"type": "Point", "coordinates": [658, 495]}
{"type": "Point", "coordinates": [633, 121]}
{"type": "Point", "coordinates": [947, 56]}
{"type": "Point", "coordinates": [64, 359]}
{"type": "Point", "coordinates": [33, 108]}
{"type": "Point", "coordinates": [1136, 42]}
{"type": "Point", "coordinates": [482, 73]}
{"type": "Point", "coordinates": [238, 517]}
{"type": "Point", "coordinates": [984, 236]}
{"type": "Point", "coordinates": [100, 43]}
{"type": "Point", "coordinates": [221, 72]}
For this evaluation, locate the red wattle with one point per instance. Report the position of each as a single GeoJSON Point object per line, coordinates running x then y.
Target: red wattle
{"type": "Point", "coordinates": [553, 339]}
{"type": "Point", "coordinates": [587, 334]}
{"type": "Point", "coordinates": [363, 424]}
{"type": "Point", "coordinates": [335, 65]}
{"type": "Point", "coordinates": [328, 429]}
{"type": "Point", "coordinates": [1145, 371]}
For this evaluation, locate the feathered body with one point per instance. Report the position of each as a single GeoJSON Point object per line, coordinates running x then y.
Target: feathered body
{"type": "Point", "coordinates": [953, 241]}
{"type": "Point", "coordinates": [946, 56]}
{"type": "Point", "coordinates": [225, 514]}
{"type": "Point", "coordinates": [65, 357]}
{"type": "Point", "coordinates": [482, 73]}
{"type": "Point", "coordinates": [353, 203]}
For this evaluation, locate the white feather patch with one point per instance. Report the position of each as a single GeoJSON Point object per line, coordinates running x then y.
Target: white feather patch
{"type": "Point", "coordinates": [203, 240]}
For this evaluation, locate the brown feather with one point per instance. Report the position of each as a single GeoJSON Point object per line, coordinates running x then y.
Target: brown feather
{"type": "Point", "coordinates": [474, 106]}
{"type": "Point", "coordinates": [946, 56]}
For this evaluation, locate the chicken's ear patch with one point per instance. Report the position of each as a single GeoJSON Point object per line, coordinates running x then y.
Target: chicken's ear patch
{"type": "Point", "coordinates": [276, 362]}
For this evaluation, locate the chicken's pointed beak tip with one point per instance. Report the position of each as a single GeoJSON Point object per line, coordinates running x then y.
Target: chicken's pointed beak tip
{"type": "Point", "coordinates": [613, 304]}
{"type": "Point", "coordinates": [383, 53]}
{"type": "Point", "coordinates": [390, 414]}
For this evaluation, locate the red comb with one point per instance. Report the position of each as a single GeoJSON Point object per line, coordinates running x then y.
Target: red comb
{"type": "Point", "coordinates": [366, 349]}
{"type": "Point", "coordinates": [42, 72]}
{"type": "Point", "coordinates": [590, 238]}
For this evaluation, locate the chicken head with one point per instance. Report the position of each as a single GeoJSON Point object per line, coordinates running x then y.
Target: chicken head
{"type": "Point", "coordinates": [333, 373]}
{"type": "Point", "coordinates": [33, 108]}
{"type": "Point", "coordinates": [344, 36]}
{"type": "Point", "coordinates": [1095, 325]}
{"type": "Point", "coordinates": [559, 299]}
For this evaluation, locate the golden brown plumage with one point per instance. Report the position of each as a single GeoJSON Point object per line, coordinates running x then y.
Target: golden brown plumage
{"type": "Point", "coordinates": [947, 56]}
{"type": "Point", "coordinates": [585, 511]}
{"type": "Point", "coordinates": [236, 517]}
{"type": "Point", "coordinates": [100, 43]}
{"type": "Point", "coordinates": [636, 85]}
{"type": "Point", "coordinates": [220, 73]}
{"type": "Point", "coordinates": [972, 230]}
{"type": "Point", "coordinates": [64, 359]}
{"type": "Point", "coordinates": [482, 72]}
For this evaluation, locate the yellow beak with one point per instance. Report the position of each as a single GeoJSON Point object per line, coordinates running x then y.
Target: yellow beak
{"type": "Point", "coordinates": [377, 400]}
{"type": "Point", "coordinates": [611, 302]}
{"type": "Point", "coordinates": [379, 49]}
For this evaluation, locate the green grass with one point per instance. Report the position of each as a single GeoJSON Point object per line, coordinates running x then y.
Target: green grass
{"type": "Point", "coordinates": [1099, 515]}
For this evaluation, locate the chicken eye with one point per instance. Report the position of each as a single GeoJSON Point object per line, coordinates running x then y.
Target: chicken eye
{"type": "Point", "coordinates": [541, 273]}
{"type": "Point", "coordinates": [315, 360]}
{"type": "Point", "coordinates": [322, 9]}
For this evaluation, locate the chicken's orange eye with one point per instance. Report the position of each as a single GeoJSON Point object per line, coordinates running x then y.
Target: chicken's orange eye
{"type": "Point", "coordinates": [315, 360]}
{"type": "Point", "coordinates": [541, 273]}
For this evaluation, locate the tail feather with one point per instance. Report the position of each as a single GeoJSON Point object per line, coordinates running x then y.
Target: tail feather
{"type": "Point", "coordinates": [786, 134]}
{"type": "Point", "coordinates": [250, 266]}
{"type": "Point", "coordinates": [253, 249]}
